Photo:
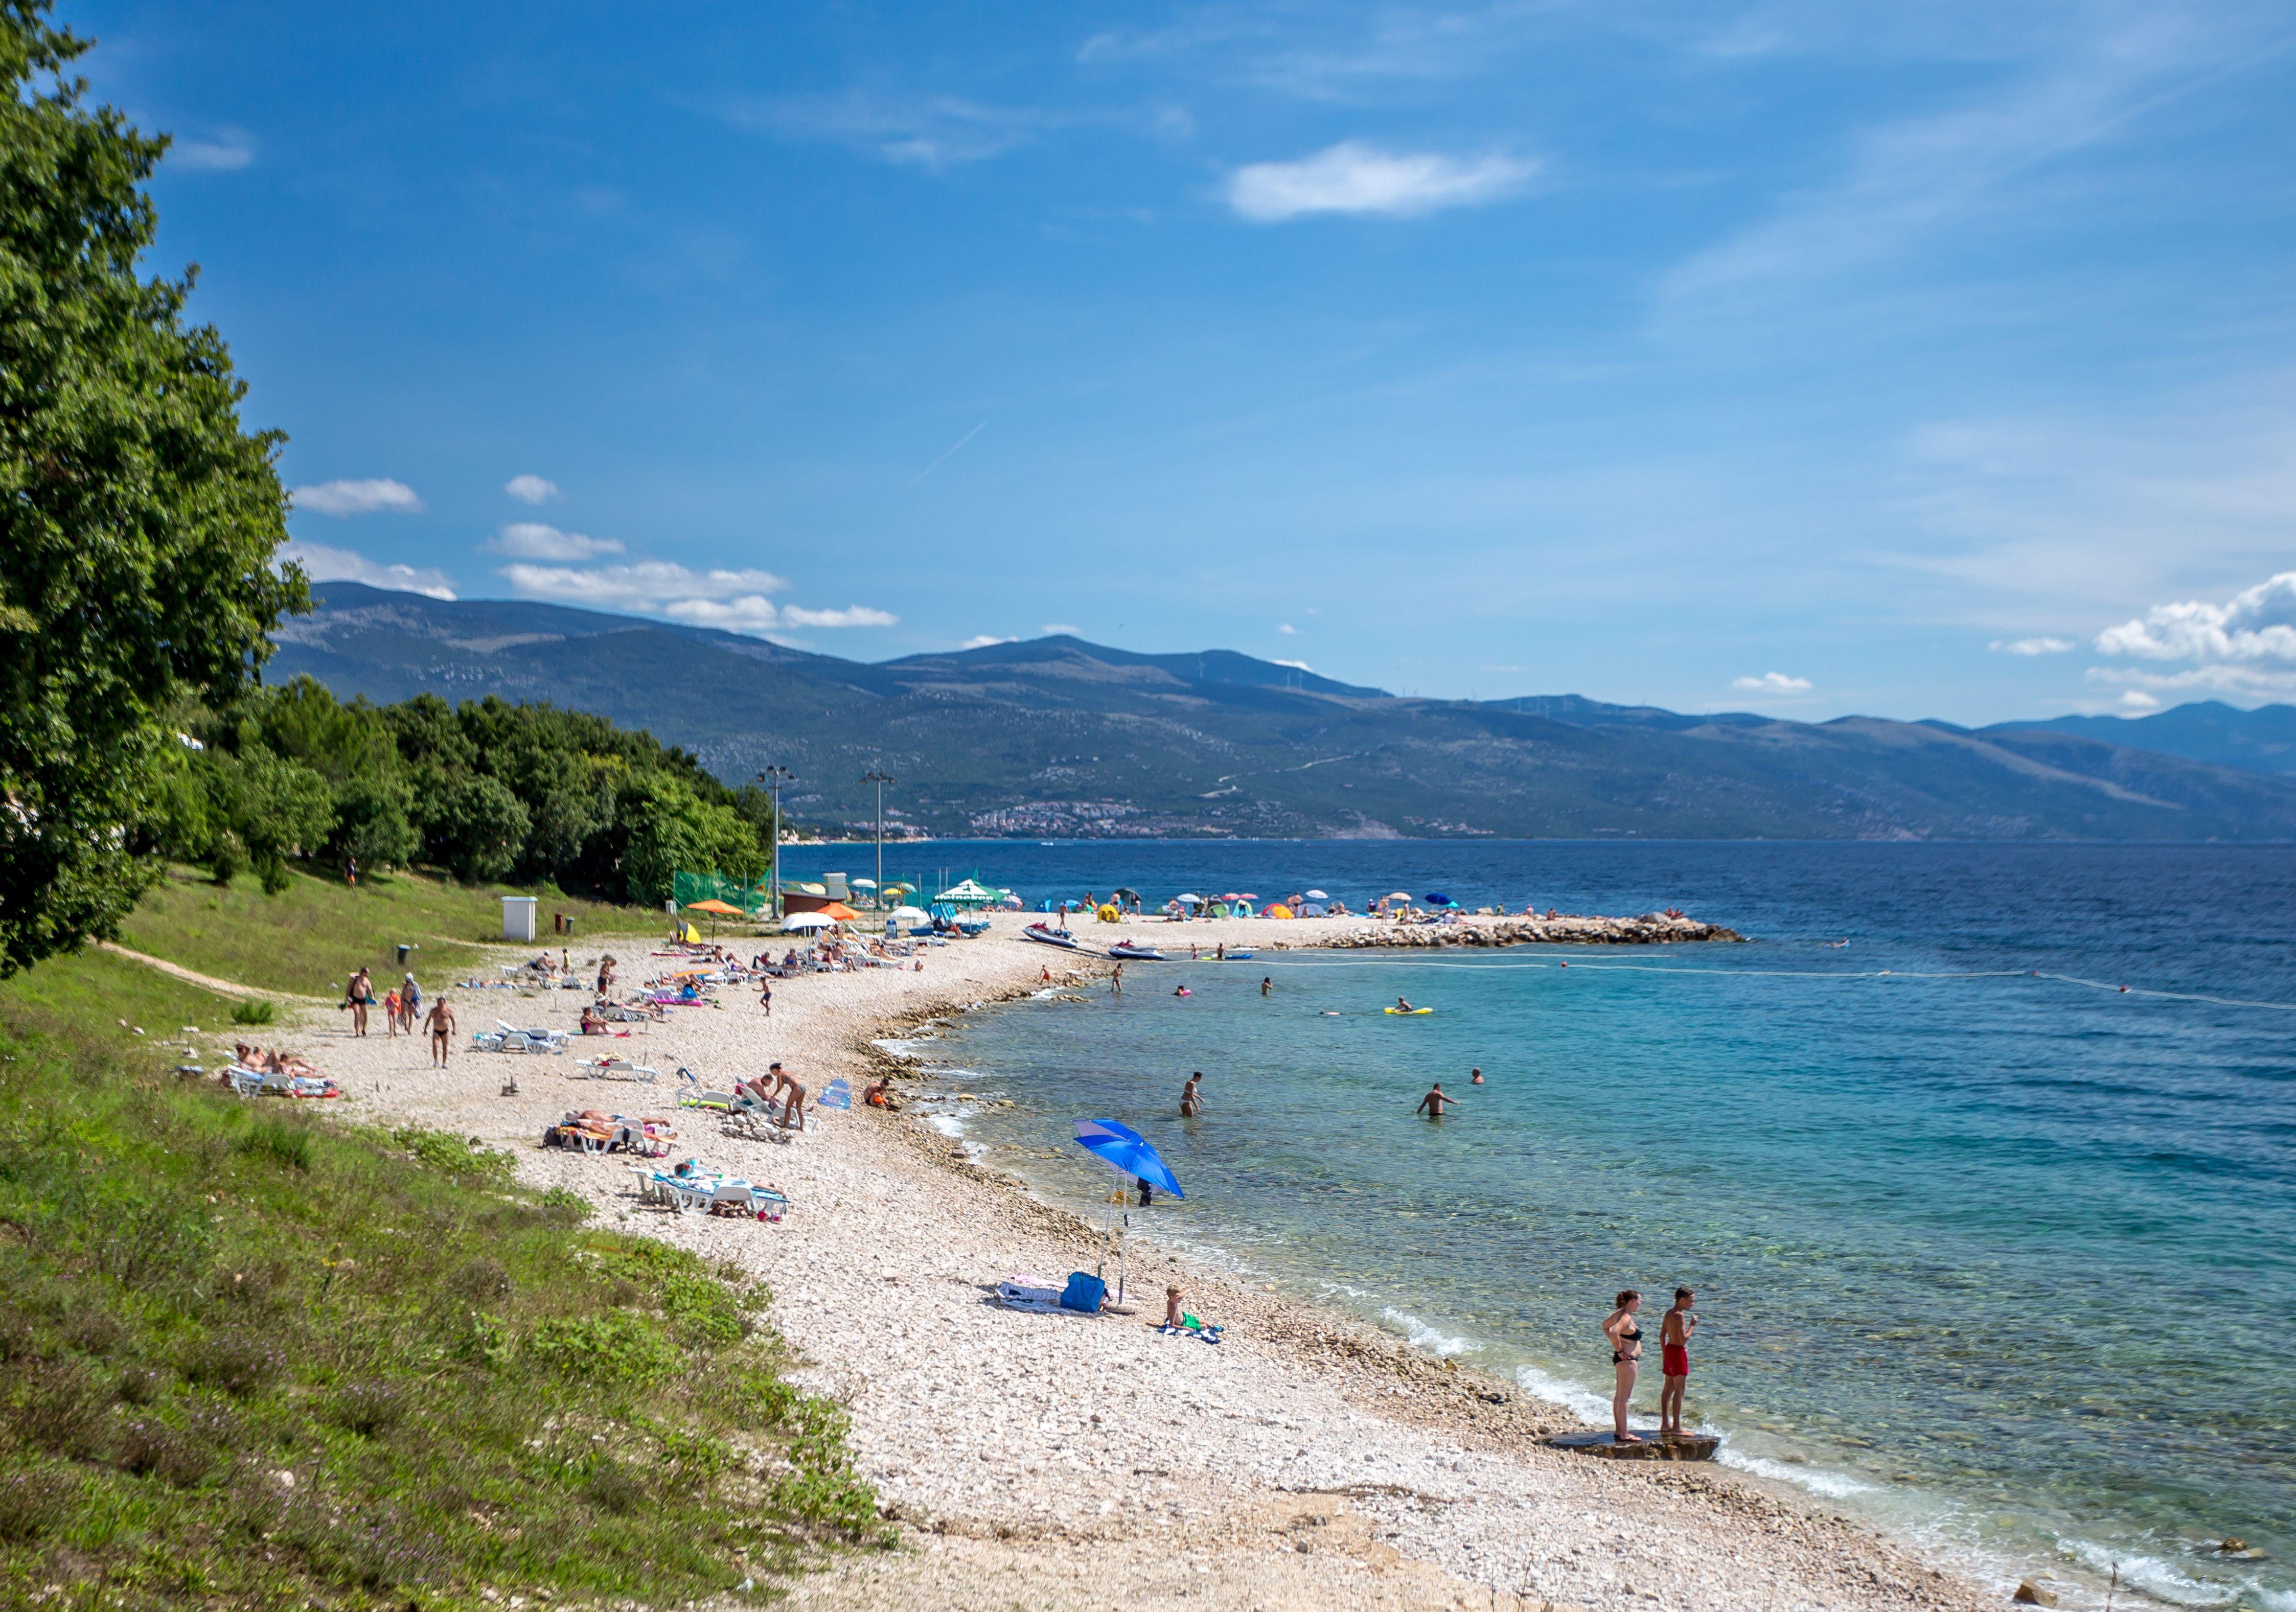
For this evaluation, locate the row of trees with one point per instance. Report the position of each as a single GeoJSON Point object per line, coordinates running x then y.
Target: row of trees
{"type": "Point", "coordinates": [486, 790]}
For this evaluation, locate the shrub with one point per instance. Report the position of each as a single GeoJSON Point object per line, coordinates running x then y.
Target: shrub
{"type": "Point", "coordinates": [445, 1151]}
{"type": "Point", "coordinates": [253, 1012]}
{"type": "Point", "coordinates": [237, 1363]}
{"type": "Point", "coordinates": [702, 1307]}
{"type": "Point", "coordinates": [278, 1142]}
{"type": "Point", "coordinates": [59, 1410]}
{"type": "Point", "coordinates": [619, 1347]}
{"type": "Point", "coordinates": [367, 1408]}
{"type": "Point", "coordinates": [32, 1503]}
{"type": "Point", "coordinates": [178, 1456]}
{"type": "Point", "coordinates": [566, 1206]}
{"type": "Point", "coordinates": [609, 1488]}
{"type": "Point", "coordinates": [141, 1385]}
{"type": "Point", "coordinates": [482, 1279]}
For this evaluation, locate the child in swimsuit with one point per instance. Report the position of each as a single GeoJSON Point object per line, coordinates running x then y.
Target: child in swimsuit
{"type": "Point", "coordinates": [1673, 1351]}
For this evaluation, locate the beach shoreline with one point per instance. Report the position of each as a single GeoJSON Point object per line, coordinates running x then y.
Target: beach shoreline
{"type": "Point", "coordinates": [1312, 1459]}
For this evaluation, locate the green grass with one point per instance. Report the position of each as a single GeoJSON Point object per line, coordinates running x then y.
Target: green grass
{"type": "Point", "coordinates": [307, 939]}
{"type": "Point", "coordinates": [465, 1388]}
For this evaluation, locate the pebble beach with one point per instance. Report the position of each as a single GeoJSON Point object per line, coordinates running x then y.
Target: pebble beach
{"type": "Point", "coordinates": [1065, 1460]}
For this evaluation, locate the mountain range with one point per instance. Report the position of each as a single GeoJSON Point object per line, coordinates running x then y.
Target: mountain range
{"type": "Point", "coordinates": [1056, 737]}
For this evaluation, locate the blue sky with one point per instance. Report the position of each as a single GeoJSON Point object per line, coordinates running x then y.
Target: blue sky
{"type": "Point", "coordinates": [1920, 360]}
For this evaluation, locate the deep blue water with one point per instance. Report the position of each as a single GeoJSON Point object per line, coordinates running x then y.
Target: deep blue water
{"type": "Point", "coordinates": [2005, 1261]}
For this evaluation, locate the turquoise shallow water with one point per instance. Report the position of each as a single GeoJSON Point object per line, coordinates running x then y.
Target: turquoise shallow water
{"type": "Point", "coordinates": [2004, 1261]}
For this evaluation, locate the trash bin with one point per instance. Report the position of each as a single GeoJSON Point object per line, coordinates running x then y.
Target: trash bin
{"type": "Point", "coordinates": [404, 949]}
{"type": "Point", "coordinates": [568, 922]}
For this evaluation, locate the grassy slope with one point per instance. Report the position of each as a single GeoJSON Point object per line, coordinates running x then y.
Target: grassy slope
{"type": "Point", "coordinates": [470, 1389]}
{"type": "Point", "coordinates": [306, 940]}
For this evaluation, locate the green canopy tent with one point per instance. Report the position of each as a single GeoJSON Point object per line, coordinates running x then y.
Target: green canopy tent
{"type": "Point", "coordinates": [970, 893]}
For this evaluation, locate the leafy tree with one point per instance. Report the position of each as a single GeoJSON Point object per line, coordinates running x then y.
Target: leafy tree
{"type": "Point", "coordinates": [277, 809]}
{"type": "Point", "coordinates": [670, 827]}
{"type": "Point", "coordinates": [138, 522]}
{"type": "Point", "coordinates": [479, 829]}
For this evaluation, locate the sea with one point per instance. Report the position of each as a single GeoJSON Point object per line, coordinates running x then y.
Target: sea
{"type": "Point", "coordinates": [1977, 1156]}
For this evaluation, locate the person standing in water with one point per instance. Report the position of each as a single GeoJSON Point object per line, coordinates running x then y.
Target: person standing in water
{"type": "Point", "coordinates": [1434, 1101]}
{"type": "Point", "coordinates": [1625, 1336]}
{"type": "Point", "coordinates": [1266, 985]}
{"type": "Point", "coordinates": [1192, 1099]}
{"type": "Point", "coordinates": [1475, 1076]}
{"type": "Point", "coordinates": [1116, 981]}
{"type": "Point", "coordinates": [1674, 1359]}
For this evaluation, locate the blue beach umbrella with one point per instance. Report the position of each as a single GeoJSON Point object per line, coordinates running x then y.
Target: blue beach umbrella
{"type": "Point", "coordinates": [1126, 1149]}
{"type": "Point", "coordinates": [1436, 898]}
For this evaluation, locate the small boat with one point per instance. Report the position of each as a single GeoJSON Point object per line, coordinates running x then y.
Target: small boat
{"type": "Point", "coordinates": [1239, 953]}
{"type": "Point", "coordinates": [1132, 951]}
{"type": "Point", "coordinates": [1051, 938]}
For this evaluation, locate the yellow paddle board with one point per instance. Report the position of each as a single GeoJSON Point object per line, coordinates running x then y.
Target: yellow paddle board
{"type": "Point", "coordinates": [1406, 1012]}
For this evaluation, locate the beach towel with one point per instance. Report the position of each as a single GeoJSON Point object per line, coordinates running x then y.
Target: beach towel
{"type": "Point", "coordinates": [1038, 1293]}
{"type": "Point", "coordinates": [1083, 1293]}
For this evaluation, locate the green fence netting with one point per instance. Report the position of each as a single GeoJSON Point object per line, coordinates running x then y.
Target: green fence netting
{"type": "Point", "coordinates": [687, 888]}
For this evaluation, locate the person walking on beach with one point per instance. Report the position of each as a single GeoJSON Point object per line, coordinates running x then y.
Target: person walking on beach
{"type": "Point", "coordinates": [765, 996]}
{"type": "Point", "coordinates": [441, 1024]}
{"type": "Point", "coordinates": [605, 972]}
{"type": "Point", "coordinates": [1191, 1100]}
{"type": "Point", "coordinates": [390, 1015]}
{"type": "Point", "coordinates": [1266, 985]}
{"type": "Point", "coordinates": [359, 995]}
{"type": "Point", "coordinates": [1625, 1336]}
{"type": "Point", "coordinates": [793, 1109]}
{"type": "Point", "coordinates": [410, 1003]}
{"type": "Point", "coordinates": [1434, 1101]}
{"type": "Point", "coordinates": [1674, 1359]}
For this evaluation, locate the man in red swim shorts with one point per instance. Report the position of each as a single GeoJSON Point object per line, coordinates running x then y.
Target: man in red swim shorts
{"type": "Point", "coordinates": [1673, 1348]}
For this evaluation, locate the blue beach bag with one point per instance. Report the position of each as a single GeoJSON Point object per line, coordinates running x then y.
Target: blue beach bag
{"type": "Point", "coordinates": [1083, 1293]}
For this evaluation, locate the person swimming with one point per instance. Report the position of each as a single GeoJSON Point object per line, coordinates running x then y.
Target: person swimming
{"type": "Point", "coordinates": [1183, 990]}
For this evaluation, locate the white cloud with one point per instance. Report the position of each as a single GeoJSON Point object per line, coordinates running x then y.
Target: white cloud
{"type": "Point", "coordinates": [323, 564]}
{"type": "Point", "coordinates": [1061, 629]}
{"type": "Point", "coordinates": [530, 489]}
{"type": "Point", "coordinates": [2256, 624]}
{"type": "Point", "coordinates": [1288, 630]}
{"type": "Point", "coordinates": [851, 616]}
{"type": "Point", "coordinates": [1357, 179]}
{"type": "Point", "coordinates": [931, 132]}
{"type": "Point", "coordinates": [229, 151]}
{"type": "Point", "coordinates": [531, 540]}
{"type": "Point", "coordinates": [1298, 666]}
{"type": "Point", "coordinates": [368, 497]}
{"type": "Point", "coordinates": [2031, 646]}
{"type": "Point", "coordinates": [647, 582]}
{"type": "Point", "coordinates": [2137, 700]}
{"type": "Point", "coordinates": [734, 600]}
{"type": "Point", "coordinates": [981, 641]}
{"type": "Point", "coordinates": [1771, 683]}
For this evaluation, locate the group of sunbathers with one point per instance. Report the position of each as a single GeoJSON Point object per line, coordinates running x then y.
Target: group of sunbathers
{"type": "Point", "coordinates": [265, 1062]}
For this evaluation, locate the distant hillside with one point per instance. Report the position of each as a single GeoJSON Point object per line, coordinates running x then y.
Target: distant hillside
{"type": "Point", "coordinates": [1058, 737]}
{"type": "Point", "coordinates": [2263, 741]}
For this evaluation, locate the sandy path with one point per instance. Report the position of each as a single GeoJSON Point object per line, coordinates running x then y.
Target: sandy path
{"type": "Point", "coordinates": [1067, 1461]}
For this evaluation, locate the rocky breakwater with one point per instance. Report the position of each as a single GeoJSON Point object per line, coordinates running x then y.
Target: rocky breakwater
{"type": "Point", "coordinates": [1652, 929]}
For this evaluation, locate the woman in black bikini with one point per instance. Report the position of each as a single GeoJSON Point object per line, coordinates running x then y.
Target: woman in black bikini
{"type": "Point", "coordinates": [1625, 1338]}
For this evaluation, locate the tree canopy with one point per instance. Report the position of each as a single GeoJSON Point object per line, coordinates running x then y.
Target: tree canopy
{"type": "Point", "coordinates": [138, 522]}
{"type": "Point", "coordinates": [486, 790]}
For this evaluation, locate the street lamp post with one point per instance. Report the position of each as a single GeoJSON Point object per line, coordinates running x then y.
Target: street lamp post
{"type": "Point", "coordinates": [881, 780]}
{"type": "Point", "coordinates": [773, 778]}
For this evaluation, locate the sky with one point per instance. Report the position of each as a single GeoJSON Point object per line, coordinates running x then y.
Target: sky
{"type": "Point", "coordinates": [1919, 360]}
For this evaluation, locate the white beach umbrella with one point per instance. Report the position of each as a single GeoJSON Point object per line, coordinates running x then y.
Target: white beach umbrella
{"type": "Point", "coordinates": [862, 884]}
{"type": "Point", "coordinates": [1317, 895]}
{"type": "Point", "coordinates": [799, 923]}
{"type": "Point", "coordinates": [911, 916]}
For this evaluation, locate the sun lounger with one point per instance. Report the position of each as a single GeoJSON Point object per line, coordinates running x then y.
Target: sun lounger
{"type": "Point", "coordinates": [612, 1067]}
{"type": "Point", "coordinates": [244, 1082]}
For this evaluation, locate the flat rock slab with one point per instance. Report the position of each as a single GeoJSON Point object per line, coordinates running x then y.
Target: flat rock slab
{"type": "Point", "coordinates": [1670, 1446]}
